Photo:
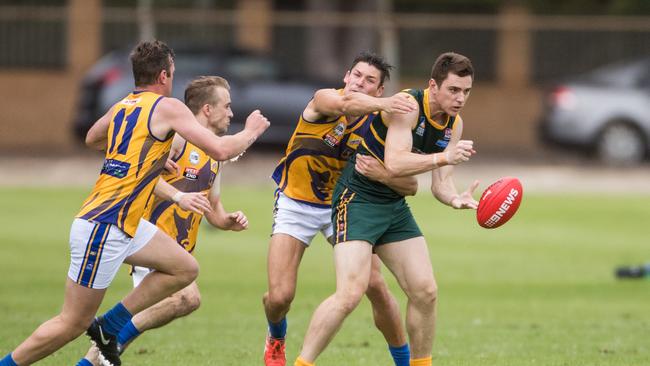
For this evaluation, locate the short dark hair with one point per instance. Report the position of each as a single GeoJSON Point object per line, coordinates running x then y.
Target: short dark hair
{"type": "Point", "coordinates": [148, 59]}
{"type": "Point", "coordinates": [201, 91]}
{"type": "Point", "coordinates": [375, 60]}
{"type": "Point", "coordinates": [450, 62]}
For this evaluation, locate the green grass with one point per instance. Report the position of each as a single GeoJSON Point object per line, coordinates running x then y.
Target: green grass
{"type": "Point", "coordinates": [538, 291]}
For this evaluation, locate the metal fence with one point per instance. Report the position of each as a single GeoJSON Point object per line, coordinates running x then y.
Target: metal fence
{"type": "Point", "coordinates": [35, 37]}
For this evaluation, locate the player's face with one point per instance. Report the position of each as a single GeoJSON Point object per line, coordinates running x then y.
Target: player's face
{"type": "Point", "coordinates": [363, 78]}
{"type": "Point", "coordinates": [220, 112]}
{"type": "Point", "coordinates": [452, 95]}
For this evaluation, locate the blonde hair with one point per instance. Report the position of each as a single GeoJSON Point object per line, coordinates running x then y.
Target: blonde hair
{"type": "Point", "coordinates": [201, 91]}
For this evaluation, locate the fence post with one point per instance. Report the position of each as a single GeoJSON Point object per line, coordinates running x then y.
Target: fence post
{"type": "Point", "coordinates": [514, 46]}
{"type": "Point", "coordinates": [254, 24]}
{"type": "Point", "coordinates": [84, 35]}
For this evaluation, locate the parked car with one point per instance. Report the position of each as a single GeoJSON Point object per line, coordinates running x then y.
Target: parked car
{"type": "Point", "coordinates": [256, 82]}
{"type": "Point", "coordinates": [606, 112]}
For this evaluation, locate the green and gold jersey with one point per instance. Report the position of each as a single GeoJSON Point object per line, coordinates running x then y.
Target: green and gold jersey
{"type": "Point", "coordinates": [429, 136]}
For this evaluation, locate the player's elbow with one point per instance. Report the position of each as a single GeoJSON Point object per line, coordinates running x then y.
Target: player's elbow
{"type": "Point", "coordinates": [92, 142]}
{"type": "Point", "coordinates": [412, 188]}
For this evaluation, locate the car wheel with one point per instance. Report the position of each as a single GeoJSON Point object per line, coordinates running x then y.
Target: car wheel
{"type": "Point", "coordinates": [621, 144]}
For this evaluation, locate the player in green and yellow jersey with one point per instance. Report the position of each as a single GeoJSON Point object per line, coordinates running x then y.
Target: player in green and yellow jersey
{"type": "Point", "coordinates": [369, 216]}
{"type": "Point", "coordinates": [328, 133]}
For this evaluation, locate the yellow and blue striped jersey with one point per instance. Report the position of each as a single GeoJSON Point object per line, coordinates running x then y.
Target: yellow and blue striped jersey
{"type": "Point", "coordinates": [315, 157]}
{"type": "Point", "coordinates": [134, 160]}
{"type": "Point", "coordinates": [197, 174]}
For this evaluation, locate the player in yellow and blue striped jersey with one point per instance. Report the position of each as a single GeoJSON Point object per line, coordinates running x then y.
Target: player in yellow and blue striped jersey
{"type": "Point", "coordinates": [109, 229]}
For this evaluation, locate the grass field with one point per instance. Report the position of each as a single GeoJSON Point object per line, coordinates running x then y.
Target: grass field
{"type": "Point", "coordinates": [538, 291]}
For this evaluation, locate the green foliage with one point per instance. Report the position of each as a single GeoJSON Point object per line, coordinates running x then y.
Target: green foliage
{"type": "Point", "coordinates": [538, 291]}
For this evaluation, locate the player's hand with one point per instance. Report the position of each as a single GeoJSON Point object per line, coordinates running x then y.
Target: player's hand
{"type": "Point", "coordinates": [460, 153]}
{"type": "Point", "coordinates": [236, 221]}
{"type": "Point", "coordinates": [172, 167]}
{"type": "Point", "coordinates": [257, 123]}
{"type": "Point", "coordinates": [466, 199]}
{"type": "Point", "coordinates": [370, 168]}
{"type": "Point", "coordinates": [196, 202]}
{"type": "Point", "coordinates": [399, 103]}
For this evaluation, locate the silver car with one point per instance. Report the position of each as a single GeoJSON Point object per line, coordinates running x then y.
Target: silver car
{"type": "Point", "coordinates": [606, 112]}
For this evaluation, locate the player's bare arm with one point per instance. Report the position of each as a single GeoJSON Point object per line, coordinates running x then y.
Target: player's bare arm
{"type": "Point", "coordinates": [190, 201]}
{"type": "Point", "coordinates": [172, 114]}
{"type": "Point", "coordinates": [373, 169]}
{"type": "Point", "coordinates": [442, 183]}
{"type": "Point", "coordinates": [399, 159]}
{"type": "Point", "coordinates": [174, 152]}
{"type": "Point", "coordinates": [329, 102]}
{"type": "Point", "coordinates": [218, 217]}
{"type": "Point", "coordinates": [97, 136]}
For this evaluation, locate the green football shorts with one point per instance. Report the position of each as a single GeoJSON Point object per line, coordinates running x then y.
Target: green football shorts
{"type": "Point", "coordinates": [356, 218]}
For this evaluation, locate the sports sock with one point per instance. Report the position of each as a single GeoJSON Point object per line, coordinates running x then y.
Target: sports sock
{"type": "Point", "coordinates": [116, 318]}
{"type": "Point", "coordinates": [127, 333]}
{"type": "Point", "coordinates": [84, 362]}
{"type": "Point", "coordinates": [421, 361]}
{"type": "Point", "coordinates": [8, 361]}
{"type": "Point", "coordinates": [278, 330]}
{"type": "Point", "coordinates": [301, 362]}
{"type": "Point", "coordinates": [401, 355]}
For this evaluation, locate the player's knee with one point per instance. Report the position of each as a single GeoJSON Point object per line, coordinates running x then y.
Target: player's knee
{"type": "Point", "coordinates": [75, 324]}
{"type": "Point", "coordinates": [425, 294]}
{"type": "Point", "coordinates": [280, 297]}
{"type": "Point", "coordinates": [189, 302]}
{"type": "Point", "coordinates": [189, 271]}
{"type": "Point", "coordinates": [377, 288]}
{"type": "Point", "coordinates": [349, 299]}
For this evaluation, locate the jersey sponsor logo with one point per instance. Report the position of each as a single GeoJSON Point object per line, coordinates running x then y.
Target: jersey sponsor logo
{"type": "Point", "coordinates": [420, 130]}
{"type": "Point", "coordinates": [442, 143]}
{"type": "Point", "coordinates": [115, 168]}
{"type": "Point", "coordinates": [448, 133]}
{"type": "Point", "coordinates": [130, 101]}
{"type": "Point", "coordinates": [333, 137]}
{"type": "Point", "coordinates": [191, 173]}
{"type": "Point", "coordinates": [194, 157]}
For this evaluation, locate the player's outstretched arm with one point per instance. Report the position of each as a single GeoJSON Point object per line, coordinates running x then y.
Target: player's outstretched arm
{"type": "Point", "coordinates": [218, 217]}
{"type": "Point", "coordinates": [330, 102]}
{"type": "Point", "coordinates": [373, 169]}
{"type": "Point", "coordinates": [172, 114]}
{"type": "Point", "coordinates": [444, 189]}
{"type": "Point", "coordinates": [195, 201]}
{"type": "Point", "coordinates": [97, 136]}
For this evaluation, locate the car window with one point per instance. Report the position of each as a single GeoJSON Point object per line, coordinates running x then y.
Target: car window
{"type": "Point", "coordinates": [622, 75]}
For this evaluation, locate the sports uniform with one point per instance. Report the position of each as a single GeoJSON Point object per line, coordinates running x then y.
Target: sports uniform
{"type": "Point", "coordinates": [197, 174]}
{"type": "Point", "coordinates": [109, 226]}
{"type": "Point", "coordinates": [367, 210]}
{"type": "Point", "coordinates": [315, 156]}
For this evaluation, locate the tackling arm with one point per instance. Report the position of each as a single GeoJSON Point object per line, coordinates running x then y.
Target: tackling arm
{"type": "Point", "coordinates": [373, 169]}
{"type": "Point", "coordinates": [195, 202]}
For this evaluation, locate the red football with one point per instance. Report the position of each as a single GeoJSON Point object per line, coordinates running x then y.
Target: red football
{"type": "Point", "coordinates": [499, 202]}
